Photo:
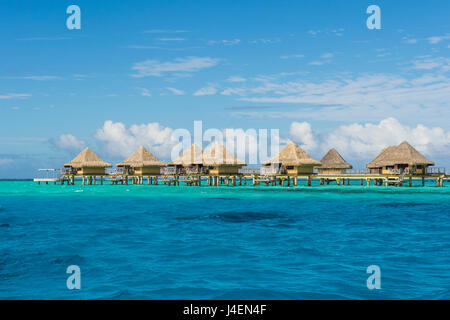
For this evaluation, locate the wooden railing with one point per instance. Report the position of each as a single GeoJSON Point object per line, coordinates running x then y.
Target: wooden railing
{"type": "Point", "coordinates": [436, 170]}
{"type": "Point", "coordinates": [249, 170]}
{"type": "Point", "coordinates": [270, 170]}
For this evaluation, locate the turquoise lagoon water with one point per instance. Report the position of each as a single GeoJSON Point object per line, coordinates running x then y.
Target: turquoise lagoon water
{"type": "Point", "coordinates": [161, 242]}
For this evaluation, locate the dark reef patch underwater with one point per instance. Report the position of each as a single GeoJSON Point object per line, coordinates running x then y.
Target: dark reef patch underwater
{"type": "Point", "coordinates": [161, 242]}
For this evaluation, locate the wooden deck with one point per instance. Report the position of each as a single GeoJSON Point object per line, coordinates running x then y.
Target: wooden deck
{"type": "Point", "coordinates": [246, 177]}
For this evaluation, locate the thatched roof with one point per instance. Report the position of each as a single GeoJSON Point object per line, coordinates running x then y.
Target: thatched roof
{"type": "Point", "coordinates": [333, 160]}
{"type": "Point", "coordinates": [189, 157]}
{"type": "Point", "coordinates": [141, 158]}
{"type": "Point", "coordinates": [216, 154]}
{"type": "Point", "coordinates": [87, 159]}
{"type": "Point", "coordinates": [292, 155]}
{"type": "Point", "coordinates": [404, 153]}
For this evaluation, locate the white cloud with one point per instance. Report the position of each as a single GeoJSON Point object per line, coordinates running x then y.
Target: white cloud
{"type": "Point", "coordinates": [236, 79]}
{"type": "Point", "coordinates": [292, 56]}
{"type": "Point", "coordinates": [432, 63]}
{"type": "Point", "coordinates": [206, 91]}
{"type": "Point", "coordinates": [233, 91]}
{"type": "Point", "coordinates": [366, 96]}
{"type": "Point", "coordinates": [145, 92]}
{"type": "Point", "coordinates": [123, 141]}
{"type": "Point", "coordinates": [409, 41]}
{"type": "Point", "coordinates": [171, 39]}
{"type": "Point", "coordinates": [265, 41]}
{"type": "Point", "coordinates": [156, 68]}
{"type": "Point", "coordinates": [231, 42]}
{"type": "Point", "coordinates": [302, 132]}
{"type": "Point", "coordinates": [68, 142]}
{"type": "Point", "coordinates": [313, 32]}
{"type": "Point", "coordinates": [15, 96]}
{"type": "Point", "coordinates": [327, 55]}
{"type": "Point", "coordinates": [326, 58]}
{"type": "Point", "coordinates": [366, 140]}
{"type": "Point", "coordinates": [176, 91]}
{"type": "Point", "coordinates": [437, 39]}
{"type": "Point", "coordinates": [37, 78]}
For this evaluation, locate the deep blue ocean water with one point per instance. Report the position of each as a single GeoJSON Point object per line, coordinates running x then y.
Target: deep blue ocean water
{"type": "Point", "coordinates": [161, 242]}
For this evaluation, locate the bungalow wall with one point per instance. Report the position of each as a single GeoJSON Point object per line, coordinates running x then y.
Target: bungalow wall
{"type": "Point", "coordinates": [303, 169]}
{"type": "Point", "coordinates": [87, 171]}
{"type": "Point", "coordinates": [152, 170]}
{"type": "Point", "coordinates": [331, 171]}
{"type": "Point", "coordinates": [224, 170]}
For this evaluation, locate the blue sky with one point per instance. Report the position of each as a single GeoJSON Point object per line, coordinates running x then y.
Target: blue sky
{"type": "Point", "coordinates": [137, 70]}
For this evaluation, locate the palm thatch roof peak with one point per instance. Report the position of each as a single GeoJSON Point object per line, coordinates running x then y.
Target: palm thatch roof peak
{"type": "Point", "coordinates": [191, 156]}
{"type": "Point", "coordinates": [404, 153]}
{"type": "Point", "coordinates": [87, 159]}
{"type": "Point", "coordinates": [141, 158]}
{"type": "Point", "coordinates": [292, 155]}
{"type": "Point", "coordinates": [333, 160]}
{"type": "Point", "coordinates": [216, 154]}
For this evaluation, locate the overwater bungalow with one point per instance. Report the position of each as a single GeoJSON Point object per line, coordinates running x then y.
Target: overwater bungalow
{"type": "Point", "coordinates": [397, 159]}
{"type": "Point", "coordinates": [191, 160]}
{"type": "Point", "coordinates": [218, 160]}
{"type": "Point", "coordinates": [333, 163]}
{"type": "Point", "coordinates": [292, 160]}
{"type": "Point", "coordinates": [141, 162]}
{"type": "Point", "coordinates": [87, 163]}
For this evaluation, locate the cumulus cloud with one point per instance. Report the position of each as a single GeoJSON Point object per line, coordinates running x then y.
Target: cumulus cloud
{"type": "Point", "coordinates": [68, 142]}
{"type": "Point", "coordinates": [366, 140]}
{"type": "Point", "coordinates": [155, 68]}
{"type": "Point", "coordinates": [122, 141]}
{"type": "Point", "coordinates": [206, 91]}
{"type": "Point", "coordinates": [302, 132]}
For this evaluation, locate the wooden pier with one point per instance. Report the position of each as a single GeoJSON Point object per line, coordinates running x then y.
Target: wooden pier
{"type": "Point", "coordinates": [250, 177]}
